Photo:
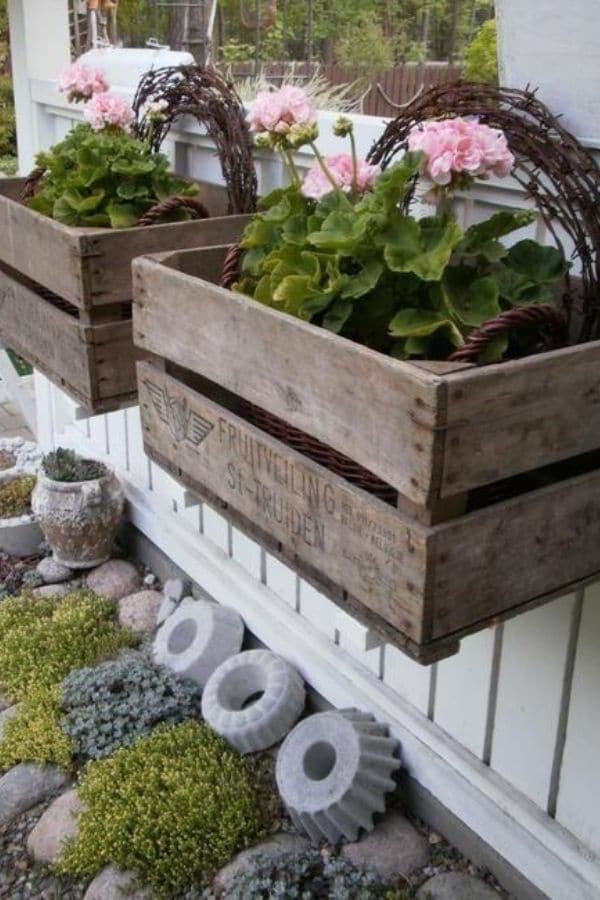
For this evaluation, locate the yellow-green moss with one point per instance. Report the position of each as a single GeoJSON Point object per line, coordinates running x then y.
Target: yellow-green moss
{"type": "Point", "coordinates": [35, 735]}
{"type": "Point", "coordinates": [15, 496]}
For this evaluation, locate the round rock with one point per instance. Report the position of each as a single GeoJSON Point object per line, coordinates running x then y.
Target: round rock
{"type": "Point", "coordinates": [53, 590]}
{"type": "Point", "coordinates": [53, 572]}
{"type": "Point", "coordinates": [394, 848]}
{"type": "Point", "coordinates": [138, 611]}
{"type": "Point", "coordinates": [275, 846]}
{"type": "Point", "coordinates": [111, 884]}
{"type": "Point", "coordinates": [456, 886]}
{"type": "Point", "coordinates": [114, 579]}
{"type": "Point", "coordinates": [27, 785]}
{"type": "Point", "coordinates": [57, 824]}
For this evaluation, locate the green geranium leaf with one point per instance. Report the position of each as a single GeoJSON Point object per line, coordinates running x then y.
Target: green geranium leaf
{"type": "Point", "coordinates": [472, 300]}
{"type": "Point", "coordinates": [537, 263]}
{"type": "Point", "coordinates": [495, 350]}
{"type": "Point", "coordinates": [253, 260]}
{"type": "Point", "coordinates": [482, 239]}
{"type": "Point", "coordinates": [63, 212]}
{"type": "Point", "coordinates": [364, 281]}
{"type": "Point", "coordinates": [279, 212]}
{"type": "Point", "coordinates": [300, 297]}
{"type": "Point", "coordinates": [83, 204]}
{"type": "Point", "coordinates": [133, 167]}
{"type": "Point", "coordinates": [122, 215]}
{"type": "Point", "coordinates": [295, 230]}
{"type": "Point", "coordinates": [403, 244]}
{"type": "Point", "coordinates": [337, 315]}
{"type": "Point", "coordinates": [417, 323]}
{"type": "Point", "coordinates": [259, 233]}
{"type": "Point", "coordinates": [341, 232]}
{"type": "Point", "coordinates": [440, 236]}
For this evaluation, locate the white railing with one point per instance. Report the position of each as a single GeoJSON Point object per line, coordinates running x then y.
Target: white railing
{"type": "Point", "coordinates": [505, 734]}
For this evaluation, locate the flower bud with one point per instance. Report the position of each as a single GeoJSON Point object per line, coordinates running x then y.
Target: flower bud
{"type": "Point", "coordinates": [343, 126]}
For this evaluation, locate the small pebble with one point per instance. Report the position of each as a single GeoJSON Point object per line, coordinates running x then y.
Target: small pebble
{"type": "Point", "coordinates": [150, 579]}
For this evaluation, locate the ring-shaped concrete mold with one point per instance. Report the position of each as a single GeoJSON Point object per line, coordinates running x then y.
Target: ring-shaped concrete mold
{"type": "Point", "coordinates": [253, 699]}
{"type": "Point", "coordinates": [197, 638]}
{"type": "Point", "coordinates": [333, 771]}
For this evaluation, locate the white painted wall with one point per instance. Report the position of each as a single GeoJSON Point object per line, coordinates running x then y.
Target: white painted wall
{"type": "Point", "coordinates": [505, 734]}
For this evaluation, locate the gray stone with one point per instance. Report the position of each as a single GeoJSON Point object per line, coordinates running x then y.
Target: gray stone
{"type": "Point", "coordinates": [27, 785]}
{"type": "Point", "coordinates": [57, 824]}
{"type": "Point", "coordinates": [456, 886]}
{"type": "Point", "coordinates": [53, 590]}
{"type": "Point", "coordinates": [395, 848]}
{"type": "Point", "coordinates": [253, 699]}
{"type": "Point", "coordinates": [172, 594]}
{"type": "Point", "coordinates": [114, 579]}
{"type": "Point", "coordinates": [4, 703]}
{"type": "Point", "coordinates": [6, 715]}
{"type": "Point", "coordinates": [197, 638]}
{"type": "Point", "coordinates": [111, 884]}
{"type": "Point", "coordinates": [150, 579]}
{"type": "Point", "coordinates": [331, 787]}
{"type": "Point", "coordinates": [53, 572]}
{"type": "Point", "coordinates": [272, 848]}
{"type": "Point", "coordinates": [138, 611]}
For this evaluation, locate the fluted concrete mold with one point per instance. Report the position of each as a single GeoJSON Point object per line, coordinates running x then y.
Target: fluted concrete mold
{"type": "Point", "coordinates": [333, 772]}
{"type": "Point", "coordinates": [197, 638]}
{"type": "Point", "coordinates": [253, 699]}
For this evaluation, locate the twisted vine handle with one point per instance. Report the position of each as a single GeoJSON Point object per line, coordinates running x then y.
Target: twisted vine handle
{"type": "Point", "coordinates": [231, 266]}
{"type": "Point", "coordinates": [32, 182]}
{"type": "Point", "coordinates": [195, 207]}
{"type": "Point", "coordinates": [551, 322]}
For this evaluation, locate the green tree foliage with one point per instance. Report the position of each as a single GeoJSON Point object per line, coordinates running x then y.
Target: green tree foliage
{"type": "Point", "coordinates": [7, 111]}
{"type": "Point", "coordinates": [481, 58]}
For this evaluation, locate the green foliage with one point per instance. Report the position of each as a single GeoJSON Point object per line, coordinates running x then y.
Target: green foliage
{"type": "Point", "coordinates": [173, 808]}
{"type": "Point", "coordinates": [364, 46]}
{"type": "Point", "coordinates": [15, 496]}
{"type": "Point", "coordinates": [105, 179]}
{"type": "Point", "coordinates": [310, 874]}
{"type": "Point", "coordinates": [405, 286]}
{"type": "Point", "coordinates": [43, 638]}
{"type": "Point", "coordinates": [116, 703]}
{"type": "Point", "coordinates": [64, 465]}
{"type": "Point", "coordinates": [7, 117]}
{"type": "Point", "coordinates": [481, 56]}
{"type": "Point", "coordinates": [35, 735]}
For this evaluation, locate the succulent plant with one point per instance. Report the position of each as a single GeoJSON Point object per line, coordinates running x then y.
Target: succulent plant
{"type": "Point", "coordinates": [65, 465]}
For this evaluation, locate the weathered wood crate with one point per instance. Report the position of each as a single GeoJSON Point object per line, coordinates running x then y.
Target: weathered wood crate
{"type": "Point", "coordinates": [495, 471]}
{"type": "Point", "coordinates": [66, 292]}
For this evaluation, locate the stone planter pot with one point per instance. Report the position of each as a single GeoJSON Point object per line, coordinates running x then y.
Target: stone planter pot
{"type": "Point", "coordinates": [79, 519]}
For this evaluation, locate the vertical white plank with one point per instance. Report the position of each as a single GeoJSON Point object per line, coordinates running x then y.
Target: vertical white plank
{"type": "Point", "coordinates": [282, 580]}
{"type": "Point", "coordinates": [99, 435]}
{"type": "Point", "coordinates": [246, 552]}
{"type": "Point", "coordinates": [407, 678]}
{"type": "Point", "coordinates": [216, 528]}
{"type": "Point", "coordinates": [43, 405]}
{"type": "Point", "coordinates": [117, 438]}
{"type": "Point", "coordinates": [462, 691]}
{"type": "Point", "coordinates": [578, 807]}
{"type": "Point", "coordinates": [138, 461]}
{"type": "Point", "coordinates": [320, 611]}
{"type": "Point", "coordinates": [529, 695]}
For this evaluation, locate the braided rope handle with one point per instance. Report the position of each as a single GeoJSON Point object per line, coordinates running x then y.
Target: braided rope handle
{"type": "Point", "coordinates": [32, 182]}
{"type": "Point", "coordinates": [231, 266]}
{"type": "Point", "coordinates": [195, 207]}
{"type": "Point", "coordinates": [550, 321]}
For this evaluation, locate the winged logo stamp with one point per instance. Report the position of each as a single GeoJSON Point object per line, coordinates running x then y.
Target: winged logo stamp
{"type": "Point", "coordinates": [183, 423]}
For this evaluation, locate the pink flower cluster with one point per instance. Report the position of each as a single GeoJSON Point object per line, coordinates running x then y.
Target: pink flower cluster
{"type": "Point", "coordinates": [108, 109]}
{"type": "Point", "coordinates": [316, 184]}
{"type": "Point", "coordinates": [81, 82]}
{"type": "Point", "coordinates": [278, 111]}
{"type": "Point", "coordinates": [461, 147]}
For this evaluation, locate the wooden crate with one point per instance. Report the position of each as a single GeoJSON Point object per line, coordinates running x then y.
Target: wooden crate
{"type": "Point", "coordinates": [66, 292]}
{"type": "Point", "coordinates": [495, 469]}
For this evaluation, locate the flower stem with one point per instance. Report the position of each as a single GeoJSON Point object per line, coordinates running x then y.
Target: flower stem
{"type": "Point", "coordinates": [326, 171]}
{"type": "Point", "coordinates": [291, 167]}
{"type": "Point", "coordinates": [354, 164]}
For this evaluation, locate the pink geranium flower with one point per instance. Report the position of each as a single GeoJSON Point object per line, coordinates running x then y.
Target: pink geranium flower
{"type": "Point", "coordinates": [316, 184]}
{"type": "Point", "coordinates": [278, 111]}
{"type": "Point", "coordinates": [108, 109]}
{"type": "Point", "coordinates": [81, 82]}
{"type": "Point", "coordinates": [461, 147]}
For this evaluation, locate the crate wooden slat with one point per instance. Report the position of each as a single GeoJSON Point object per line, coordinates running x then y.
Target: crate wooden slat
{"type": "Point", "coordinates": [94, 363]}
{"type": "Point", "coordinates": [91, 266]}
{"type": "Point", "coordinates": [422, 587]}
{"type": "Point", "coordinates": [432, 431]}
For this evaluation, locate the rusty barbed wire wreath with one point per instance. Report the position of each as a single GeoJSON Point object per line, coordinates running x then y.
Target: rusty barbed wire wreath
{"type": "Point", "coordinates": [555, 171]}
{"type": "Point", "coordinates": [204, 94]}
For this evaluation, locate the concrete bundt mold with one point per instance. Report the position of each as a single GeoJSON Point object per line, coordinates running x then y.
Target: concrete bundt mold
{"type": "Point", "coordinates": [197, 638]}
{"type": "Point", "coordinates": [333, 772]}
{"type": "Point", "coordinates": [253, 699]}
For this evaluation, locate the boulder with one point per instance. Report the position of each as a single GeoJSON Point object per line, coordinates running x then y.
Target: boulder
{"type": "Point", "coordinates": [456, 886]}
{"type": "Point", "coordinates": [53, 572]}
{"type": "Point", "coordinates": [111, 884]}
{"type": "Point", "coordinates": [53, 590]}
{"type": "Point", "coordinates": [272, 848]}
{"type": "Point", "coordinates": [114, 579]}
{"type": "Point", "coordinates": [139, 611]}
{"type": "Point", "coordinates": [395, 848]}
{"type": "Point", "coordinates": [59, 822]}
{"type": "Point", "coordinates": [27, 785]}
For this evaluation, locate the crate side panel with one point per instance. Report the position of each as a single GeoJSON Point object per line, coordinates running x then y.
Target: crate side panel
{"type": "Point", "coordinates": [114, 358]}
{"type": "Point", "coordinates": [47, 337]}
{"type": "Point", "coordinates": [383, 413]}
{"type": "Point", "coordinates": [357, 542]}
{"type": "Point", "coordinates": [518, 416]}
{"type": "Point", "coordinates": [493, 560]}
